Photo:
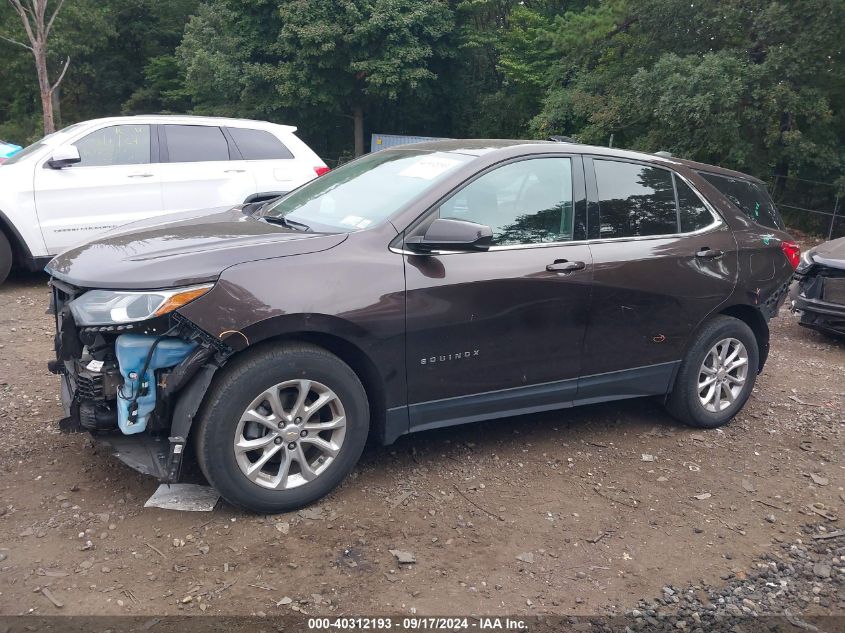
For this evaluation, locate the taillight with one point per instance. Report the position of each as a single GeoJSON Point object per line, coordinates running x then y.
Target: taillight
{"type": "Point", "coordinates": [321, 170]}
{"type": "Point", "coordinates": [792, 252]}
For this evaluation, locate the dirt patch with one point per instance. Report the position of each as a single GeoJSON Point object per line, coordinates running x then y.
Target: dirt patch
{"type": "Point", "coordinates": [582, 511]}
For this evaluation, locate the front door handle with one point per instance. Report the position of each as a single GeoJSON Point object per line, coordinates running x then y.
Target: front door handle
{"type": "Point", "coordinates": [140, 175]}
{"type": "Point", "coordinates": [564, 266]}
{"type": "Point", "coordinates": [234, 171]}
{"type": "Point", "coordinates": [709, 253]}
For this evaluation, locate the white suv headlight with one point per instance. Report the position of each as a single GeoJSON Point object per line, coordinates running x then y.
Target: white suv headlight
{"type": "Point", "coordinates": [109, 307]}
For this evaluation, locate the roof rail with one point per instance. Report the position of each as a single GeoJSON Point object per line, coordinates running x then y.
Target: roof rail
{"type": "Point", "coordinates": [563, 139]}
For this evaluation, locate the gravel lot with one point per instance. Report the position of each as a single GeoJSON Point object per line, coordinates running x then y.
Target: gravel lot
{"type": "Point", "coordinates": [599, 510]}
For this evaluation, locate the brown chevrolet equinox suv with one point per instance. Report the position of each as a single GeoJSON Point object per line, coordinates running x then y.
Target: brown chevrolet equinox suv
{"type": "Point", "coordinates": [416, 288]}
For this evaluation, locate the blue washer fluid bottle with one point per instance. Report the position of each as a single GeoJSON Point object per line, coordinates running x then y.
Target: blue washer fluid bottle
{"type": "Point", "coordinates": [132, 351]}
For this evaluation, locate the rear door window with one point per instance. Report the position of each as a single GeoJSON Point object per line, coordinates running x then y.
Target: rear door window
{"type": "Point", "coordinates": [195, 143]}
{"type": "Point", "coordinates": [634, 200]}
{"type": "Point", "coordinates": [258, 144]}
{"type": "Point", "coordinates": [751, 198]}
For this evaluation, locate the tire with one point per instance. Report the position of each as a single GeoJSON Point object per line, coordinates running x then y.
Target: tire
{"type": "Point", "coordinates": [685, 401]}
{"type": "Point", "coordinates": [237, 398]}
{"type": "Point", "coordinates": [5, 257]}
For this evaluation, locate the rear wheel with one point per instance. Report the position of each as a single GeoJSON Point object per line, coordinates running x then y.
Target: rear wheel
{"type": "Point", "coordinates": [717, 376]}
{"type": "Point", "coordinates": [282, 428]}
{"type": "Point", "coordinates": [5, 257]}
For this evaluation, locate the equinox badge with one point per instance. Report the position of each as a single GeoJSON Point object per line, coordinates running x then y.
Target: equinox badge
{"type": "Point", "coordinates": [447, 357]}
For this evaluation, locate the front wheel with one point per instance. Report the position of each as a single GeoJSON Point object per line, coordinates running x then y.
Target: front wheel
{"type": "Point", "coordinates": [717, 376]}
{"type": "Point", "coordinates": [282, 427]}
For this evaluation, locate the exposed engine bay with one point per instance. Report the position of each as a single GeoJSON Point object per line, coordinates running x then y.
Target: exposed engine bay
{"type": "Point", "coordinates": [141, 381]}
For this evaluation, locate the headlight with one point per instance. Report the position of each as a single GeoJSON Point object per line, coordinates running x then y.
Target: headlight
{"type": "Point", "coordinates": [108, 307]}
{"type": "Point", "coordinates": [805, 263]}
{"type": "Point", "coordinates": [808, 257]}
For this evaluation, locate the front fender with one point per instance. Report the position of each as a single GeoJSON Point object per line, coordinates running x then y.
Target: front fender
{"type": "Point", "coordinates": [353, 293]}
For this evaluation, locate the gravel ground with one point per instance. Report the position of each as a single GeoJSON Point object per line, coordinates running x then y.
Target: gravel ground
{"type": "Point", "coordinates": [801, 581]}
{"type": "Point", "coordinates": [572, 513]}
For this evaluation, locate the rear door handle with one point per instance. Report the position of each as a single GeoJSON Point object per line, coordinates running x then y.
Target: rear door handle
{"type": "Point", "coordinates": [234, 171]}
{"type": "Point", "coordinates": [709, 253]}
{"type": "Point", "coordinates": [140, 175]}
{"type": "Point", "coordinates": [564, 266]}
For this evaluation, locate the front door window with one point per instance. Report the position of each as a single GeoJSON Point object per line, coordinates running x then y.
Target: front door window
{"type": "Point", "coordinates": [115, 145]}
{"type": "Point", "coordinates": [527, 202]}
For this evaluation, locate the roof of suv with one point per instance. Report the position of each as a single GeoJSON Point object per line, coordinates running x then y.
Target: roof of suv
{"type": "Point", "coordinates": [186, 119]}
{"type": "Point", "coordinates": [480, 147]}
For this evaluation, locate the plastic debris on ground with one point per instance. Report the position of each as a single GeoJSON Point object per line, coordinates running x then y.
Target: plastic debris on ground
{"type": "Point", "coordinates": [186, 497]}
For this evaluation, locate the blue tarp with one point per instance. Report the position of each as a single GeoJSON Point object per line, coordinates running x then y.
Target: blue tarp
{"type": "Point", "coordinates": [8, 149]}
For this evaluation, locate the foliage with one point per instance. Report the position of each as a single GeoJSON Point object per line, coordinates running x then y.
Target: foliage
{"type": "Point", "coordinates": [751, 84]}
{"type": "Point", "coordinates": [757, 85]}
{"type": "Point", "coordinates": [337, 57]}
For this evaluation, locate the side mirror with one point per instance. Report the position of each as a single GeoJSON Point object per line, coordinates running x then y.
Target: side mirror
{"type": "Point", "coordinates": [64, 157]}
{"type": "Point", "coordinates": [452, 235]}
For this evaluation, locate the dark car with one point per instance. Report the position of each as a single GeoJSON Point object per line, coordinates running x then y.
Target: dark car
{"type": "Point", "coordinates": [818, 295]}
{"type": "Point", "coordinates": [413, 289]}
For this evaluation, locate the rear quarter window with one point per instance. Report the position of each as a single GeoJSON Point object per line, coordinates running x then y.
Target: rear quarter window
{"type": "Point", "coordinates": [258, 144]}
{"type": "Point", "coordinates": [751, 198]}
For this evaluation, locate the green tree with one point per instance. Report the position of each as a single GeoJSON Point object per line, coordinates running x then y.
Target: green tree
{"type": "Point", "coordinates": [349, 57]}
{"type": "Point", "coordinates": [752, 84]}
{"type": "Point", "coordinates": [118, 48]}
{"type": "Point", "coordinates": [37, 18]}
{"type": "Point", "coordinates": [355, 54]}
{"type": "Point", "coordinates": [214, 57]}
{"type": "Point", "coordinates": [758, 85]}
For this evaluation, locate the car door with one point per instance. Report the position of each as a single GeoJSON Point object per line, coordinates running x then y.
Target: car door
{"type": "Point", "coordinates": [202, 169]}
{"type": "Point", "coordinates": [662, 260]}
{"type": "Point", "coordinates": [116, 182]}
{"type": "Point", "coordinates": [270, 161]}
{"type": "Point", "coordinates": [496, 333]}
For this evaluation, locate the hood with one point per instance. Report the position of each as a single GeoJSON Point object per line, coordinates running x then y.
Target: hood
{"type": "Point", "coordinates": [181, 249]}
{"type": "Point", "coordinates": [830, 253]}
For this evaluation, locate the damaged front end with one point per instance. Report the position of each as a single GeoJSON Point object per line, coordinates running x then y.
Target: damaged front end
{"type": "Point", "coordinates": [133, 370]}
{"type": "Point", "coordinates": [818, 294]}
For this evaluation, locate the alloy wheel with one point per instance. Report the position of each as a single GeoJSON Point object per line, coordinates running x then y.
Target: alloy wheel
{"type": "Point", "coordinates": [722, 375]}
{"type": "Point", "coordinates": [290, 434]}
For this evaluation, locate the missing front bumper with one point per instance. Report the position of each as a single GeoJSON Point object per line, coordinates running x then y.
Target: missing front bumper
{"type": "Point", "coordinates": [153, 455]}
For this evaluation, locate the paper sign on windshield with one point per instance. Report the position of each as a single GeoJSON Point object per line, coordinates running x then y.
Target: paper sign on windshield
{"type": "Point", "coordinates": [429, 167]}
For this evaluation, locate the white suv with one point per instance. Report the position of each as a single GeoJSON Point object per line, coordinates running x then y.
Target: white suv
{"type": "Point", "coordinates": [100, 174]}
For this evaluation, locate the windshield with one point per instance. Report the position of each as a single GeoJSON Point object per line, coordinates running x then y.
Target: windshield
{"type": "Point", "coordinates": [365, 191]}
{"type": "Point", "coordinates": [29, 150]}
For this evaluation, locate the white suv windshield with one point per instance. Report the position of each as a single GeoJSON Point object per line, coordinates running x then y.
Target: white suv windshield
{"type": "Point", "coordinates": [365, 191]}
{"type": "Point", "coordinates": [50, 140]}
